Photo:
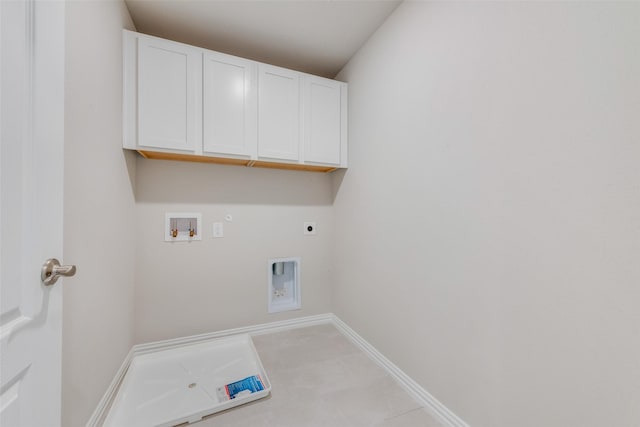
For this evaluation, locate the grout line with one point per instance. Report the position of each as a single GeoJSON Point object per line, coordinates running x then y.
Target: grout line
{"type": "Point", "coordinates": [408, 411]}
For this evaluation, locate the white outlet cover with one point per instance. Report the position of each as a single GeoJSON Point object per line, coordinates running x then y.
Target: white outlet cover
{"type": "Point", "coordinates": [218, 230]}
{"type": "Point", "coordinates": [310, 228]}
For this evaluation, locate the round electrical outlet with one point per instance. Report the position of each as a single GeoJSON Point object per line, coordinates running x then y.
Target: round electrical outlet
{"type": "Point", "coordinates": [309, 228]}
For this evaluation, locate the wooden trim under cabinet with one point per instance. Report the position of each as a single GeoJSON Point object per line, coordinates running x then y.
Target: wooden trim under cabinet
{"type": "Point", "coordinates": [156, 155]}
{"type": "Point", "coordinates": [294, 167]}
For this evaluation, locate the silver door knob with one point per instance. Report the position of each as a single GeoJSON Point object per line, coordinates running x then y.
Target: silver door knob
{"type": "Point", "coordinates": [52, 270]}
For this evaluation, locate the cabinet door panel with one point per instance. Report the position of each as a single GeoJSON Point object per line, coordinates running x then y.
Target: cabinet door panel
{"type": "Point", "coordinates": [322, 120]}
{"type": "Point", "coordinates": [168, 95]}
{"type": "Point", "coordinates": [278, 113]}
{"type": "Point", "coordinates": [230, 105]}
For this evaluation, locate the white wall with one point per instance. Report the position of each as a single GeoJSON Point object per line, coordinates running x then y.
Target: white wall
{"type": "Point", "coordinates": [186, 288]}
{"type": "Point", "coordinates": [99, 216]}
{"type": "Point", "coordinates": [488, 228]}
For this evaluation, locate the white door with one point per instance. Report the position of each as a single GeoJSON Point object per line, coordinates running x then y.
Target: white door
{"type": "Point", "coordinates": [322, 124]}
{"type": "Point", "coordinates": [31, 179]}
{"type": "Point", "coordinates": [169, 95]}
{"type": "Point", "coordinates": [278, 113]}
{"type": "Point", "coordinates": [230, 103]}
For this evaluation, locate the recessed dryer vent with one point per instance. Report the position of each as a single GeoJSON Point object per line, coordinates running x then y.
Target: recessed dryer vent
{"type": "Point", "coordinates": [284, 284]}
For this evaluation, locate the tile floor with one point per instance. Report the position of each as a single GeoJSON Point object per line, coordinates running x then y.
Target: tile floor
{"type": "Point", "coordinates": [319, 378]}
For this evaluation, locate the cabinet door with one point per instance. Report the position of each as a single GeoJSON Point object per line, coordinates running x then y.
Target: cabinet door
{"type": "Point", "coordinates": [169, 94]}
{"type": "Point", "coordinates": [278, 113]}
{"type": "Point", "coordinates": [323, 120]}
{"type": "Point", "coordinates": [230, 105]}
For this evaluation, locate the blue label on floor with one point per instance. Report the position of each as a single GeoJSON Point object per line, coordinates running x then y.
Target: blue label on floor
{"type": "Point", "coordinates": [248, 385]}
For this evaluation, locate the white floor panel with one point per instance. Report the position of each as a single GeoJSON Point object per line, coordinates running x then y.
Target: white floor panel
{"type": "Point", "coordinates": [170, 387]}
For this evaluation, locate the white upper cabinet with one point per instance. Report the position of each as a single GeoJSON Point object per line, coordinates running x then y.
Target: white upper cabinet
{"type": "Point", "coordinates": [229, 105]}
{"type": "Point", "coordinates": [169, 91]}
{"type": "Point", "coordinates": [186, 103]}
{"type": "Point", "coordinates": [278, 113]}
{"type": "Point", "coordinates": [323, 120]}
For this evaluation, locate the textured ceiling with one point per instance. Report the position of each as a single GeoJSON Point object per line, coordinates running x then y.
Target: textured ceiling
{"type": "Point", "coordinates": [316, 37]}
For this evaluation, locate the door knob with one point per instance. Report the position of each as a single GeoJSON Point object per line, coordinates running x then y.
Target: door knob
{"type": "Point", "coordinates": [52, 270]}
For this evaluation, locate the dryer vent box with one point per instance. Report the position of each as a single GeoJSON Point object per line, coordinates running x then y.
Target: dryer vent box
{"type": "Point", "coordinates": [283, 284]}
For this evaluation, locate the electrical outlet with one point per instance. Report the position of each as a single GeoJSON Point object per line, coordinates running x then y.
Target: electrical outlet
{"type": "Point", "coordinates": [309, 228]}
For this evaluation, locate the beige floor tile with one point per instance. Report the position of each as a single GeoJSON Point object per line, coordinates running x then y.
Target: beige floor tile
{"type": "Point", "coordinates": [320, 379]}
{"type": "Point", "coordinates": [372, 402]}
{"type": "Point", "coordinates": [293, 349]}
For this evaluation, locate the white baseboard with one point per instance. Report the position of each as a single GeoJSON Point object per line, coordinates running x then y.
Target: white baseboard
{"type": "Point", "coordinates": [441, 412]}
{"type": "Point", "coordinates": [100, 413]}
{"type": "Point", "coordinates": [252, 330]}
